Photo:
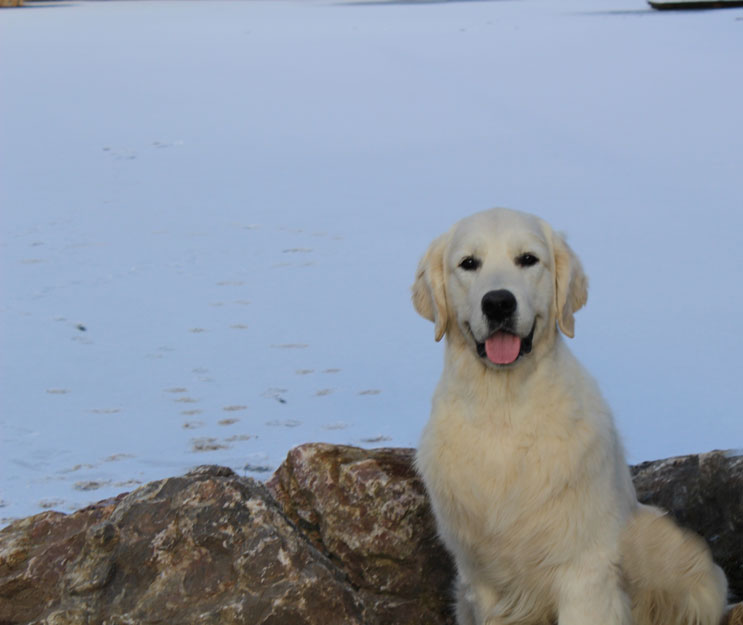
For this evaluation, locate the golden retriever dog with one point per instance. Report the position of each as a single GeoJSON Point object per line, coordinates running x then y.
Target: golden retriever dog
{"type": "Point", "coordinates": [526, 473]}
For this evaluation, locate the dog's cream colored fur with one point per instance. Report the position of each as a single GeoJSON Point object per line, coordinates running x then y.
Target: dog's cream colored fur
{"type": "Point", "coordinates": [525, 471]}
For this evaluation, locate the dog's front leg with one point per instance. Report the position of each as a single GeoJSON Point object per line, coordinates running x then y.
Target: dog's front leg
{"type": "Point", "coordinates": [590, 592]}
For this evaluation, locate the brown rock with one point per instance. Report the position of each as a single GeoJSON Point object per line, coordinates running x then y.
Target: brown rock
{"type": "Point", "coordinates": [209, 547]}
{"type": "Point", "coordinates": [368, 512]}
{"type": "Point", "coordinates": [33, 554]}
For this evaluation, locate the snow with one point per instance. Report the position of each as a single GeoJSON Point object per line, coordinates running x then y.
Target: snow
{"type": "Point", "coordinates": [212, 212]}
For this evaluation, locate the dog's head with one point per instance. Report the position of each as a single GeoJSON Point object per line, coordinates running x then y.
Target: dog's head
{"type": "Point", "coordinates": [502, 279]}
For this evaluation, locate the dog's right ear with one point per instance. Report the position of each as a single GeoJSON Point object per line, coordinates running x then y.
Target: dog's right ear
{"type": "Point", "coordinates": [429, 293]}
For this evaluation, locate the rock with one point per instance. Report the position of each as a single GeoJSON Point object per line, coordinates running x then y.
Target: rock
{"type": "Point", "coordinates": [368, 512]}
{"type": "Point", "coordinates": [33, 555]}
{"type": "Point", "coordinates": [339, 535]}
{"type": "Point", "coordinates": [703, 492]}
{"type": "Point", "coordinates": [208, 547]}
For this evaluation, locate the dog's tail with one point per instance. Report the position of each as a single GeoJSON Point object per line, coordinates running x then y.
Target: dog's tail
{"type": "Point", "coordinates": [670, 575]}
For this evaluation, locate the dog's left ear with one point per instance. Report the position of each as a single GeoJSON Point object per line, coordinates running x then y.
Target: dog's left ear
{"type": "Point", "coordinates": [571, 284]}
{"type": "Point", "coordinates": [429, 293]}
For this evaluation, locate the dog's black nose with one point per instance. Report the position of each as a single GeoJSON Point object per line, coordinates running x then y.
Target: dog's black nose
{"type": "Point", "coordinates": [498, 305]}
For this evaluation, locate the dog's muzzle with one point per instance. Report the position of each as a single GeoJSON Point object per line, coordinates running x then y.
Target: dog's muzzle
{"type": "Point", "coordinates": [504, 345]}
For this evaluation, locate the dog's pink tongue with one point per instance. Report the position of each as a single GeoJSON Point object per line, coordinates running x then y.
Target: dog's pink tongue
{"type": "Point", "coordinates": [503, 348]}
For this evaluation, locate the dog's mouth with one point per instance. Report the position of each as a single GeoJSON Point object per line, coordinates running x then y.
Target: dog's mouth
{"type": "Point", "coordinates": [505, 348]}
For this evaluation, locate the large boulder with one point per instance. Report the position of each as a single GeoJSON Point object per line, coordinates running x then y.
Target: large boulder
{"type": "Point", "coordinates": [368, 512]}
{"type": "Point", "coordinates": [339, 535]}
{"type": "Point", "coordinates": [209, 547]}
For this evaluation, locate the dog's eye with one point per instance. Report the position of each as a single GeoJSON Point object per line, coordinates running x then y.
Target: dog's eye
{"type": "Point", "coordinates": [526, 260]}
{"type": "Point", "coordinates": [470, 263]}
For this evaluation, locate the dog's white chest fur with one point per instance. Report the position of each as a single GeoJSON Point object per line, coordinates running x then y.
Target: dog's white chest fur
{"type": "Point", "coordinates": [497, 463]}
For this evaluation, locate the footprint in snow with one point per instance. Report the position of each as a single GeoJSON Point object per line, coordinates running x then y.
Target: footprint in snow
{"type": "Point", "coordinates": [186, 400]}
{"type": "Point", "coordinates": [376, 439]}
{"type": "Point", "coordinates": [118, 457]}
{"type": "Point", "coordinates": [206, 444]}
{"type": "Point", "coordinates": [339, 425]}
{"type": "Point", "coordinates": [235, 408]}
{"type": "Point", "coordinates": [257, 468]}
{"type": "Point", "coordinates": [286, 423]}
{"type": "Point", "coordinates": [236, 438]}
{"type": "Point", "coordinates": [90, 485]}
{"type": "Point", "coordinates": [46, 504]}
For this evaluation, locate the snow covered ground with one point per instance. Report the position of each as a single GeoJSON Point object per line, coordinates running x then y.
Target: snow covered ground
{"type": "Point", "coordinates": [212, 211]}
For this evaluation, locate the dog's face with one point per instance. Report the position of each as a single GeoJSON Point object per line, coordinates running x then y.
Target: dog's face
{"type": "Point", "coordinates": [503, 280]}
